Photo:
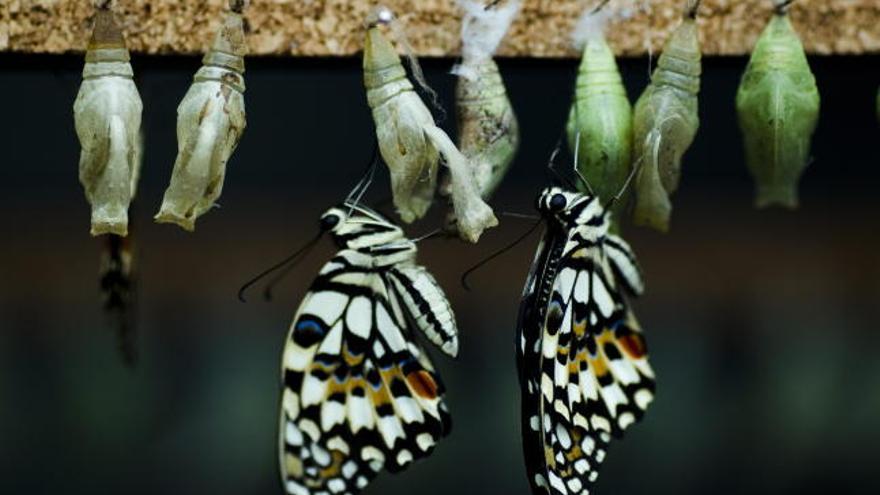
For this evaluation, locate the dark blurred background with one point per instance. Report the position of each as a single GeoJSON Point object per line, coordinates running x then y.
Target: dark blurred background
{"type": "Point", "coordinates": [762, 324]}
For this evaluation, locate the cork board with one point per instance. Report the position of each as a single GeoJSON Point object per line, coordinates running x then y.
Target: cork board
{"type": "Point", "coordinates": [333, 27]}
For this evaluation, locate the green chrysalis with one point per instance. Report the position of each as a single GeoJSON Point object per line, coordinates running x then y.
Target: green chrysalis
{"type": "Point", "coordinates": [665, 123]}
{"type": "Point", "coordinates": [778, 107]}
{"type": "Point", "coordinates": [600, 122]}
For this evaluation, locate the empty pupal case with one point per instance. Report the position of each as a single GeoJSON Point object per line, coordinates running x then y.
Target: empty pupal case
{"type": "Point", "coordinates": [210, 121]}
{"type": "Point", "coordinates": [665, 122]}
{"type": "Point", "coordinates": [107, 115]}
{"type": "Point", "coordinates": [411, 143]}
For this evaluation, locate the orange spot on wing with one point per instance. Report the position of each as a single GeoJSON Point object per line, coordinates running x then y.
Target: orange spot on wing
{"type": "Point", "coordinates": [634, 345]}
{"type": "Point", "coordinates": [423, 384]}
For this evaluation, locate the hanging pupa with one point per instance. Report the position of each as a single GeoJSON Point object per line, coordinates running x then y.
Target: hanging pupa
{"type": "Point", "coordinates": [107, 116]}
{"type": "Point", "coordinates": [778, 107]}
{"type": "Point", "coordinates": [600, 121]}
{"type": "Point", "coordinates": [210, 121]}
{"type": "Point", "coordinates": [488, 132]}
{"type": "Point", "coordinates": [411, 143]}
{"type": "Point", "coordinates": [665, 122]}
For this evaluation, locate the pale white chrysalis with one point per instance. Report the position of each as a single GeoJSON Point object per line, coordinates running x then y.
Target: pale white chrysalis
{"type": "Point", "coordinates": [411, 143]}
{"type": "Point", "coordinates": [107, 116]}
{"type": "Point", "coordinates": [210, 121]}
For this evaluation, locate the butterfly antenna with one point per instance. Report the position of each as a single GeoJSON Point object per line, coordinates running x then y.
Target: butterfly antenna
{"type": "Point", "coordinates": [429, 235]}
{"type": "Point", "coordinates": [277, 266]}
{"type": "Point", "coordinates": [523, 216]}
{"type": "Point", "coordinates": [492, 4]}
{"type": "Point", "coordinates": [551, 166]}
{"type": "Point", "coordinates": [359, 188]}
{"type": "Point", "coordinates": [577, 172]}
{"type": "Point", "coordinates": [629, 179]}
{"type": "Point", "coordinates": [471, 270]}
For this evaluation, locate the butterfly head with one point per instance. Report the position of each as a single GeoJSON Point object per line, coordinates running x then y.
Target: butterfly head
{"type": "Point", "coordinates": [571, 208]}
{"type": "Point", "coordinates": [355, 226]}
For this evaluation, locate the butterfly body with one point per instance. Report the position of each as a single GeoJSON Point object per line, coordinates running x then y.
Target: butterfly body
{"type": "Point", "coordinates": [360, 394]}
{"type": "Point", "coordinates": [582, 360]}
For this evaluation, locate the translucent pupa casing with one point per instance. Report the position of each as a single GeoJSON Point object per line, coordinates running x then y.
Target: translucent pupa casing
{"type": "Point", "coordinates": [210, 121]}
{"type": "Point", "coordinates": [665, 122]}
{"type": "Point", "coordinates": [601, 115]}
{"type": "Point", "coordinates": [488, 132]}
{"type": "Point", "coordinates": [400, 117]}
{"type": "Point", "coordinates": [778, 108]}
{"type": "Point", "coordinates": [411, 144]}
{"type": "Point", "coordinates": [107, 116]}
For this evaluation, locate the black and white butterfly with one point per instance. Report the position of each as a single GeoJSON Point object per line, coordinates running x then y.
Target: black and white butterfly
{"type": "Point", "coordinates": [581, 358]}
{"type": "Point", "coordinates": [359, 393]}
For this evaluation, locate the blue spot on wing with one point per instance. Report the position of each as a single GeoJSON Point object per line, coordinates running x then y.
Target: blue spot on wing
{"type": "Point", "coordinates": [309, 330]}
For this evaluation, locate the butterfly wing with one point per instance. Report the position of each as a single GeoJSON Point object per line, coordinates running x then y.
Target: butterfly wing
{"type": "Point", "coordinates": [529, 329]}
{"type": "Point", "coordinates": [426, 305]}
{"type": "Point", "coordinates": [592, 374]}
{"type": "Point", "coordinates": [359, 394]}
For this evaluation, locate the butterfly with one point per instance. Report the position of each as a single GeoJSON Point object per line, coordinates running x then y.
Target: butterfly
{"type": "Point", "coordinates": [118, 286]}
{"type": "Point", "coordinates": [359, 392]}
{"type": "Point", "coordinates": [582, 360]}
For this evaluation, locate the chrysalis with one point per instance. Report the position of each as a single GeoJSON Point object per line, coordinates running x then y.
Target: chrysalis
{"type": "Point", "coordinates": [488, 132]}
{"type": "Point", "coordinates": [107, 114]}
{"type": "Point", "coordinates": [665, 122]}
{"type": "Point", "coordinates": [600, 121]}
{"type": "Point", "coordinates": [778, 107]}
{"type": "Point", "coordinates": [411, 143]}
{"type": "Point", "coordinates": [210, 122]}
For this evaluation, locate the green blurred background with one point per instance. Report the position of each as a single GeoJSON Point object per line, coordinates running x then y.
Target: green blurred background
{"type": "Point", "coordinates": [762, 324]}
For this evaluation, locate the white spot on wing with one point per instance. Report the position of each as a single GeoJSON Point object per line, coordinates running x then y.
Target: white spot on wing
{"type": "Point", "coordinates": [336, 485]}
{"type": "Point", "coordinates": [370, 453]}
{"type": "Point", "coordinates": [322, 457]}
{"type": "Point", "coordinates": [391, 429]}
{"type": "Point", "coordinates": [332, 343]}
{"type": "Point", "coordinates": [389, 329]}
{"type": "Point", "coordinates": [294, 488]}
{"type": "Point", "coordinates": [425, 441]}
{"type": "Point", "coordinates": [349, 469]}
{"type": "Point", "coordinates": [563, 436]}
{"type": "Point", "coordinates": [292, 435]}
{"type": "Point", "coordinates": [360, 413]}
{"type": "Point", "coordinates": [404, 457]}
{"type": "Point", "coordinates": [601, 296]}
{"type": "Point", "coordinates": [643, 397]}
{"type": "Point", "coordinates": [358, 318]}
{"type": "Point", "coordinates": [313, 390]}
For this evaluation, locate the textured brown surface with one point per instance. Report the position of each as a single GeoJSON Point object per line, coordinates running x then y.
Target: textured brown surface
{"type": "Point", "coordinates": [333, 27]}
